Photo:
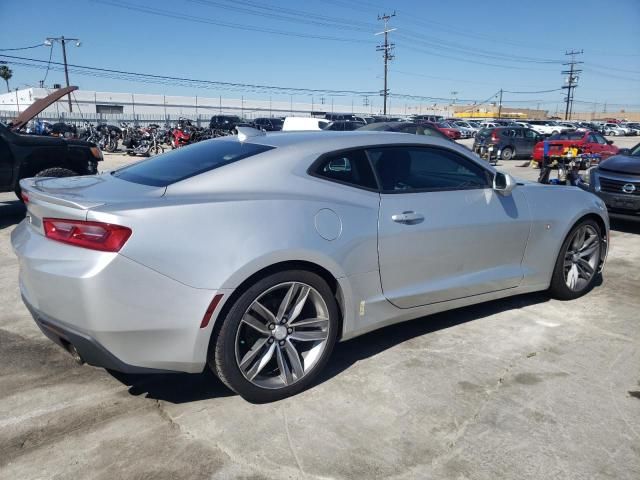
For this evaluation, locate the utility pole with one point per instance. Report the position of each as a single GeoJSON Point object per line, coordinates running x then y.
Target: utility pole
{"type": "Point", "coordinates": [571, 81]}
{"type": "Point", "coordinates": [500, 106]}
{"type": "Point", "coordinates": [63, 41]}
{"type": "Point", "coordinates": [386, 50]}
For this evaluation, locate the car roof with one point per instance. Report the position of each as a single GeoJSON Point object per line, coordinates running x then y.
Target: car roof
{"type": "Point", "coordinates": [327, 140]}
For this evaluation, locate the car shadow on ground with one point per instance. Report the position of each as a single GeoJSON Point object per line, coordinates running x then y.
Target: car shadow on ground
{"type": "Point", "coordinates": [11, 213]}
{"type": "Point", "coordinates": [625, 225]}
{"type": "Point", "coordinates": [184, 388]}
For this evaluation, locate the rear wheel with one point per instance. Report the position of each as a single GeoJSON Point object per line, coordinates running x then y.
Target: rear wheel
{"type": "Point", "coordinates": [507, 153]}
{"type": "Point", "coordinates": [577, 265]}
{"type": "Point", "coordinates": [277, 336]}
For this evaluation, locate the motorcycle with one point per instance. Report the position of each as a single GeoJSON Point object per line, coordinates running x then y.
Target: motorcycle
{"type": "Point", "coordinates": [181, 135]}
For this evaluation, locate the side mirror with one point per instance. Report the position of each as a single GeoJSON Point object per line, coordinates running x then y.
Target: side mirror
{"type": "Point", "coordinates": [609, 142]}
{"type": "Point", "coordinates": [503, 183]}
{"type": "Point", "coordinates": [624, 151]}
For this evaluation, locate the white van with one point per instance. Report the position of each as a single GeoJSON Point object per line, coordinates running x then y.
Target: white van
{"type": "Point", "coordinates": [304, 123]}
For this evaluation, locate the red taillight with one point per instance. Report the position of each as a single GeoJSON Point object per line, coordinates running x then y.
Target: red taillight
{"type": "Point", "coordinates": [212, 307]}
{"type": "Point", "coordinates": [494, 136]}
{"type": "Point", "coordinates": [105, 237]}
{"type": "Point", "coordinates": [25, 197]}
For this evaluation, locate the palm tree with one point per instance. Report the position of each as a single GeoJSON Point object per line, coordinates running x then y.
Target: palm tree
{"type": "Point", "coordinates": [6, 74]}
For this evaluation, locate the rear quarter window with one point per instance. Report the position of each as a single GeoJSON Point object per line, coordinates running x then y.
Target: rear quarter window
{"type": "Point", "coordinates": [187, 162]}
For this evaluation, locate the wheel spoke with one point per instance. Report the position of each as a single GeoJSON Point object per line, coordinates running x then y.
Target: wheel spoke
{"type": "Point", "coordinates": [259, 365]}
{"type": "Point", "coordinates": [585, 267]}
{"type": "Point", "coordinates": [263, 311]}
{"type": "Point", "coordinates": [588, 251]}
{"type": "Point", "coordinates": [310, 322]}
{"type": "Point", "coordinates": [251, 354]}
{"type": "Point", "coordinates": [254, 323]}
{"type": "Point", "coordinates": [285, 371]}
{"type": "Point", "coordinates": [589, 241]}
{"type": "Point", "coordinates": [308, 336]}
{"type": "Point", "coordinates": [294, 359]}
{"type": "Point", "coordinates": [572, 277]}
{"type": "Point", "coordinates": [299, 304]}
{"type": "Point", "coordinates": [284, 305]}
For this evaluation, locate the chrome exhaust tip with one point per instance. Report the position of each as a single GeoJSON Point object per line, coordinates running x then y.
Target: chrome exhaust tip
{"type": "Point", "coordinates": [75, 354]}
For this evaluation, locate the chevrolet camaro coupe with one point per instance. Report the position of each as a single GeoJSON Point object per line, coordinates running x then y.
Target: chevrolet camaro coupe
{"type": "Point", "coordinates": [255, 254]}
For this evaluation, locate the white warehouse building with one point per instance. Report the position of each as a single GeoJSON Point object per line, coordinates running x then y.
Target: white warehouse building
{"type": "Point", "coordinates": [91, 106]}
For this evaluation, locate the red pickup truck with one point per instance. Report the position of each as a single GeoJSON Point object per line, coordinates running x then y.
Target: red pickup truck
{"type": "Point", "coordinates": [587, 142]}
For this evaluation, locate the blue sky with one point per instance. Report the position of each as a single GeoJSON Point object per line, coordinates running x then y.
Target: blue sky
{"type": "Point", "coordinates": [467, 46]}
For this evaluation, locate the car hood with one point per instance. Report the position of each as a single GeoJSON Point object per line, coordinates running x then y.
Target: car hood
{"type": "Point", "coordinates": [621, 164]}
{"type": "Point", "coordinates": [38, 106]}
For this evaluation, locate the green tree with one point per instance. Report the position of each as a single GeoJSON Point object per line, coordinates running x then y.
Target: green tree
{"type": "Point", "coordinates": [6, 74]}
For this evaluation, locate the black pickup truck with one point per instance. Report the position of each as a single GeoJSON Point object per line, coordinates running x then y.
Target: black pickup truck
{"type": "Point", "coordinates": [23, 156]}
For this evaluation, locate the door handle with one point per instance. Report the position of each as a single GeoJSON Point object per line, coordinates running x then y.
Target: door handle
{"type": "Point", "coordinates": [408, 218]}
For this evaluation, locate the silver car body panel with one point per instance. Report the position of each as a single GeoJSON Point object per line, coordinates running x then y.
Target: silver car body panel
{"type": "Point", "coordinates": [208, 234]}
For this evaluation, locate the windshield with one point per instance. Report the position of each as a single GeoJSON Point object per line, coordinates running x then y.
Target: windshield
{"type": "Point", "coordinates": [187, 162]}
{"type": "Point", "coordinates": [635, 151]}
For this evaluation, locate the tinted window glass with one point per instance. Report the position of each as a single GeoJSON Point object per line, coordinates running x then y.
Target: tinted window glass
{"type": "Point", "coordinates": [600, 139]}
{"type": "Point", "coordinates": [568, 136]}
{"type": "Point", "coordinates": [530, 134]}
{"type": "Point", "coordinates": [406, 169]}
{"type": "Point", "coordinates": [187, 162]}
{"type": "Point", "coordinates": [350, 167]}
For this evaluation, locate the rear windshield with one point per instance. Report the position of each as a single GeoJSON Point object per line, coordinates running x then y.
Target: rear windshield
{"type": "Point", "coordinates": [188, 162]}
{"type": "Point", "coordinates": [568, 136]}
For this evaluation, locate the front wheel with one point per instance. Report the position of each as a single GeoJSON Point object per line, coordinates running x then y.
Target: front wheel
{"type": "Point", "coordinates": [578, 262]}
{"type": "Point", "coordinates": [277, 336]}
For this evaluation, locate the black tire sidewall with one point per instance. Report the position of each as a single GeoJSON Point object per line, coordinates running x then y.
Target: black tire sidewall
{"type": "Point", "coordinates": [510, 156]}
{"type": "Point", "coordinates": [222, 354]}
{"type": "Point", "coordinates": [59, 172]}
{"type": "Point", "coordinates": [559, 288]}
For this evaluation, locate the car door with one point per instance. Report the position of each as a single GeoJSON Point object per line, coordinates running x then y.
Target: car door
{"type": "Point", "coordinates": [444, 233]}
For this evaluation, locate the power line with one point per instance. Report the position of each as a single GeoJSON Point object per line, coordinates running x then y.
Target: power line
{"type": "Point", "coordinates": [21, 48]}
{"type": "Point", "coordinates": [190, 81]}
{"type": "Point", "coordinates": [208, 21]}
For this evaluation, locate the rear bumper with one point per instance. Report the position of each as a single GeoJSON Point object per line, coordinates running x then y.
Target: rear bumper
{"type": "Point", "coordinates": [117, 312]}
{"type": "Point", "coordinates": [88, 348]}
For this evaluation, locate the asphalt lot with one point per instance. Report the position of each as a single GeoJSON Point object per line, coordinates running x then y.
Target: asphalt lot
{"type": "Point", "coordinates": [522, 388]}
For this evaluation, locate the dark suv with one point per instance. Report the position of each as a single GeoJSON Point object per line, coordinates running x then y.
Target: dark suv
{"type": "Point", "coordinates": [268, 124]}
{"type": "Point", "coordinates": [226, 123]}
{"type": "Point", "coordinates": [505, 143]}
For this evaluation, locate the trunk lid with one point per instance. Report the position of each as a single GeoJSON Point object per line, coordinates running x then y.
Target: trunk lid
{"type": "Point", "coordinates": [73, 197]}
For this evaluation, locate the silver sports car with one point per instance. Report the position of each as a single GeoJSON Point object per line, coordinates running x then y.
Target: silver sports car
{"type": "Point", "coordinates": [254, 254]}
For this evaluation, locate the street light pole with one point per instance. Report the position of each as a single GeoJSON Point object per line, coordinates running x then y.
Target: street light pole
{"type": "Point", "coordinates": [63, 41]}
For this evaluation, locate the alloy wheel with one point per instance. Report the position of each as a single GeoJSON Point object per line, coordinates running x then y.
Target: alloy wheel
{"type": "Point", "coordinates": [581, 258]}
{"type": "Point", "coordinates": [282, 335]}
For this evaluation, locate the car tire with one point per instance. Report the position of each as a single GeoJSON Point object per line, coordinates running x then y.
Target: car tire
{"type": "Point", "coordinates": [507, 154]}
{"type": "Point", "coordinates": [580, 257]}
{"type": "Point", "coordinates": [555, 132]}
{"type": "Point", "coordinates": [269, 362]}
{"type": "Point", "coordinates": [56, 172]}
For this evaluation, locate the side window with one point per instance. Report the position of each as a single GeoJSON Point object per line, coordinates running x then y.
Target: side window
{"type": "Point", "coordinates": [530, 134]}
{"type": "Point", "coordinates": [350, 167]}
{"type": "Point", "coordinates": [407, 169]}
{"type": "Point", "coordinates": [518, 133]}
{"type": "Point", "coordinates": [600, 139]}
